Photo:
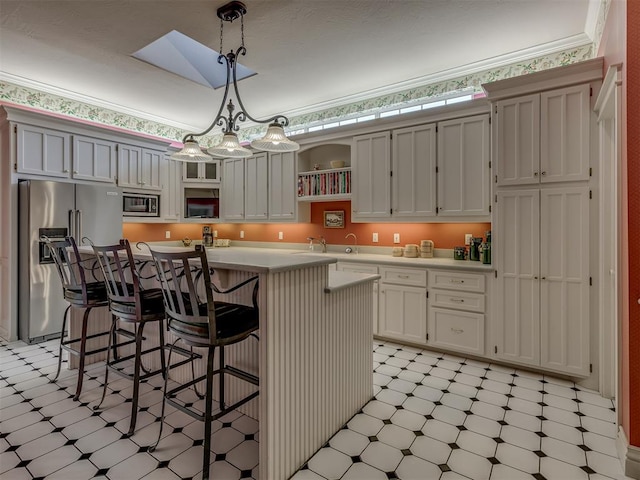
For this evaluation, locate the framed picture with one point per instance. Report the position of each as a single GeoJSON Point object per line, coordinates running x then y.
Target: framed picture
{"type": "Point", "coordinates": [334, 218]}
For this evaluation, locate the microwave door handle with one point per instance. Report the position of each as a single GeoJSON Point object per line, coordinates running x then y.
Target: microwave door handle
{"type": "Point", "coordinates": [79, 226]}
{"type": "Point", "coordinates": [71, 225]}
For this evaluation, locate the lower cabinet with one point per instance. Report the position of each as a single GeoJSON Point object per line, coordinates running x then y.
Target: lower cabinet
{"type": "Point", "coordinates": [403, 304]}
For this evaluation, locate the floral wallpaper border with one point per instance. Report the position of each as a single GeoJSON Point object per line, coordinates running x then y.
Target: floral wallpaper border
{"type": "Point", "coordinates": [29, 97]}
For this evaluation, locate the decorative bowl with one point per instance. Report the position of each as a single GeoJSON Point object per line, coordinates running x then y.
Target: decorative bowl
{"type": "Point", "coordinates": [336, 163]}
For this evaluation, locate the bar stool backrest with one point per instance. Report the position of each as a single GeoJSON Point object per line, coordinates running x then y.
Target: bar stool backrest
{"type": "Point", "coordinates": [120, 275]}
{"type": "Point", "coordinates": [66, 257]}
{"type": "Point", "coordinates": [179, 274]}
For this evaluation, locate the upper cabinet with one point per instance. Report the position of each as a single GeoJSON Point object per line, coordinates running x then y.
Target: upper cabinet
{"type": "Point", "coordinates": [282, 187]}
{"type": "Point", "coordinates": [436, 171]}
{"type": "Point", "coordinates": [201, 172]}
{"type": "Point", "coordinates": [256, 194]}
{"type": "Point", "coordinates": [139, 168]}
{"type": "Point", "coordinates": [413, 163]}
{"type": "Point", "coordinates": [94, 159]}
{"type": "Point", "coordinates": [371, 182]}
{"type": "Point", "coordinates": [543, 138]}
{"type": "Point", "coordinates": [233, 188]}
{"type": "Point", "coordinates": [463, 167]}
{"type": "Point", "coordinates": [41, 151]}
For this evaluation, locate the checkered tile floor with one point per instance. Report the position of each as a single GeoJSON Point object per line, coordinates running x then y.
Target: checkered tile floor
{"type": "Point", "coordinates": [434, 416]}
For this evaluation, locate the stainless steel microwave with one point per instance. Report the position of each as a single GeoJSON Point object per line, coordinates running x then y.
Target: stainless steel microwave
{"type": "Point", "coordinates": [140, 205]}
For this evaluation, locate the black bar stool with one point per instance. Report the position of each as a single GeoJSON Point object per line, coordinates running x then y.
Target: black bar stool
{"type": "Point", "coordinates": [129, 302]}
{"type": "Point", "coordinates": [206, 324]}
{"type": "Point", "coordinates": [80, 293]}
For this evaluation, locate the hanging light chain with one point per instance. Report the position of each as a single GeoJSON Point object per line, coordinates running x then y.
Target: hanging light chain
{"type": "Point", "coordinates": [221, 30]}
{"type": "Point", "coordinates": [242, 29]}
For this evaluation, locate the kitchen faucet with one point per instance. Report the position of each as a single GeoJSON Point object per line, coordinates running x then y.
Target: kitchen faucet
{"type": "Point", "coordinates": [355, 243]}
{"type": "Point", "coordinates": [320, 240]}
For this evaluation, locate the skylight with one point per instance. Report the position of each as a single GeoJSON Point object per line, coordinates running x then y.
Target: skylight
{"type": "Point", "coordinates": [182, 55]}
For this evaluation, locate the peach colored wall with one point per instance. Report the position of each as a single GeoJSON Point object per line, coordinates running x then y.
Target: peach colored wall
{"type": "Point", "coordinates": [444, 235]}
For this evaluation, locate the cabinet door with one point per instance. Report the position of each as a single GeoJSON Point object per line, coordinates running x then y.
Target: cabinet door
{"type": "Point", "coordinates": [403, 313]}
{"type": "Point", "coordinates": [171, 202]}
{"type": "Point", "coordinates": [456, 330]}
{"type": "Point", "coordinates": [255, 195]}
{"type": "Point", "coordinates": [94, 159]}
{"type": "Point", "coordinates": [517, 140]}
{"type": "Point", "coordinates": [43, 152]}
{"type": "Point", "coordinates": [282, 186]}
{"type": "Point", "coordinates": [564, 136]}
{"type": "Point", "coordinates": [364, 268]}
{"type": "Point", "coordinates": [564, 280]}
{"type": "Point", "coordinates": [129, 166]}
{"type": "Point", "coordinates": [233, 188]}
{"type": "Point", "coordinates": [150, 169]}
{"type": "Point", "coordinates": [201, 172]}
{"type": "Point", "coordinates": [463, 167]}
{"type": "Point", "coordinates": [191, 172]}
{"type": "Point", "coordinates": [371, 174]}
{"type": "Point", "coordinates": [516, 251]}
{"type": "Point", "coordinates": [413, 184]}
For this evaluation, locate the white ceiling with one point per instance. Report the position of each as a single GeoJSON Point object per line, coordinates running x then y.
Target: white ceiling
{"type": "Point", "coordinates": [309, 54]}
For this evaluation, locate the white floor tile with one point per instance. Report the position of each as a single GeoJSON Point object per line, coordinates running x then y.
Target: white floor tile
{"type": "Point", "coordinates": [470, 465]}
{"type": "Point", "coordinates": [53, 461]}
{"type": "Point", "coordinates": [440, 431]}
{"type": "Point", "coordinates": [410, 420]}
{"type": "Point", "coordinates": [349, 442]}
{"type": "Point", "coordinates": [419, 405]}
{"type": "Point", "coordinates": [244, 456]}
{"type": "Point", "coordinates": [365, 424]}
{"type": "Point", "coordinates": [552, 468]}
{"type": "Point", "coordinates": [381, 456]}
{"type": "Point", "coordinates": [563, 451]}
{"type": "Point", "coordinates": [518, 458]}
{"type": "Point", "coordinates": [522, 420]}
{"type": "Point", "coordinates": [483, 426]}
{"type": "Point", "coordinates": [398, 437]}
{"type": "Point", "coordinates": [604, 464]}
{"type": "Point", "coordinates": [520, 437]}
{"type": "Point", "coordinates": [475, 443]}
{"type": "Point", "coordinates": [357, 471]}
{"type": "Point", "coordinates": [378, 409]}
{"type": "Point", "coordinates": [415, 468]}
{"type": "Point", "coordinates": [330, 463]}
{"type": "Point", "coordinates": [392, 397]}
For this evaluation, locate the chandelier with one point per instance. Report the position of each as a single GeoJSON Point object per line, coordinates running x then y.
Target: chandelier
{"type": "Point", "coordinates": [274, 140]}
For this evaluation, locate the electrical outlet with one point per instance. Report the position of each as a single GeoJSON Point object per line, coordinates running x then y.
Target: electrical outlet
{"type": "Point", "coordinates": [467, 238]}
{"type": "Point", "coordinates": [241, 233]}
{"type": "Point", "coordinates": [280, 235]}
{"type": "Point", "coordinates": [375, 237]}
{"type": "Point", "coordinates": [215, 234]}
{"type": "Point", "coordinates": [396, 238]}
{"type": "Point", "coordinates": [167, 234]}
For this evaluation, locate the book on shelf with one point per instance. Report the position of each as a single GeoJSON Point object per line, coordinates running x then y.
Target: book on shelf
{"type": "Point", "coordinates": [327, 183]}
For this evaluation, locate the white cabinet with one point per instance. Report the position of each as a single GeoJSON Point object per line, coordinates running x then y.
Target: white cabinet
{"type": "Point", "coordinates": [256, 195]}
{"type": "Point", "coordinates": [233, 189]}
{"type": "Point", "coordinates": [413, 184]}
{"type": "Point", "coordinates": [365, 268]}
{"type": "Point", "coordinates": [543, 138]}
{"type": "Point", "coordinates": [139, 168]}
{"type": "Point", "coordinates": [171, 199]}
{"type": "Point", "coordinates": [41, 151]}
{"type": "Point", "coordinates": [282, 186]}
{"type": "Point", "coordinates": [463, 167]}
{"type": "Point", "coordinates": [201, 172]}
{"type": "Point", "coordinates": [403, 304]}
{"type": "Point", "coordinates": [456, 311]}
{"type": "Point", "coordinates": [371, 180]}
{"type": "Point", "coordinates": [94, 159]}
{"type": "Point", "coordinates": [542, 261]}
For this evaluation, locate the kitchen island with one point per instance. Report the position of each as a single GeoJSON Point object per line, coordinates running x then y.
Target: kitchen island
{"type": "Point", "coordinates": [313, 357]}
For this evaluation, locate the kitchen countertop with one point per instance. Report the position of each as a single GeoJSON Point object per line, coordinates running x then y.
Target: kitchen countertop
{"type": "Point", "coordinates": [339, 280]}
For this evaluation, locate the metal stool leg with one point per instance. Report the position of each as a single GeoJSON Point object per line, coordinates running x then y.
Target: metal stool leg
{"type": "Point", "coordinates": [112, 335]}
{"type": "Point", "coordinates": [83, 349]}
{"type": "Point", "coordinates": [136, 380]}
{"type": "Point", "coordinates": [164, 399]}
{"type": "Point", "coordinates": [221, 384]}
{"type": "Point", "coordinates": [64, 328]}
{"type": "Point", "coordinates": [208, 414]}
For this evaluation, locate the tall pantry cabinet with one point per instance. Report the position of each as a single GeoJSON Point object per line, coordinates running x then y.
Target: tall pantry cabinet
{"type": "Point", "coordinates": [542, 214]}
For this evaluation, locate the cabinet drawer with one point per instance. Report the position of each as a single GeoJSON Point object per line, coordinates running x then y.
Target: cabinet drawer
{"type": "Point", "coordinates": [473, 302]}
{"type": "Point", "coordinates": [404, 276]}
{"type": "Point", "coordinates": [456, 330]}
{"type": "Point", "coordinates": [357, 267]}
{"type": "Point", "coordinates": [462, 281]}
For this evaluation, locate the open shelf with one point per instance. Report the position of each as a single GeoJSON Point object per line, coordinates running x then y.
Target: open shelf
{"type": "Point", "coordinates": [325, 184]}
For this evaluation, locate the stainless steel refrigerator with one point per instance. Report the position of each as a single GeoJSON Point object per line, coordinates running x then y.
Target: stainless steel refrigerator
{"type": "Point", "coordinates": [57, 210]}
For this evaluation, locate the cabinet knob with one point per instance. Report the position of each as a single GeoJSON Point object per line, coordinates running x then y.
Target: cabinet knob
{"type": "Point", "coordinates": [535, 174]}
{"type": "Point", "coordinates": [543, 173]}
{"type": "Point", "coordinates": [75, 172]}
{"type": "Point", "coordinates": [543, 278]}
{"type": "Point", "coordinates": [66, 170]}
{"type": "Point", "coordinates": [535, 278]}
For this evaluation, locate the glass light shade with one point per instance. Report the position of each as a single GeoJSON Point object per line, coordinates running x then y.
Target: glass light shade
{"type": "Point", "coordinates": [230, 148]}
{"type": "Point", "coordinates": [191, 152]}
{"type": "Point", "coordinates": [275, 141]}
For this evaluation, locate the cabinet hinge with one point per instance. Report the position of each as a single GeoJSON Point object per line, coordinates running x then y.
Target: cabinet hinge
{"type": "Point", "coordinates": [590, 171]}
{"type": "Point", "coordinates": [427, 293]}
{"type": "Point", "coordinates": [391, 211]}
{"type": "Point", "coordinates": [436, 128]}
{"type": "Point", "coordinates": [489, 120]}
{"type": "Point", "coordinates": [590, 194]}
{"type": "Point", "coordinates": [489, 164]}
{"type": "Point", "coordinates": [15, 129]}
{"type": "Point", "coordinates": [496, 181]}
{"type": "Point", "coordinates": [495, 349]}
{"type": "Point", "coordinates": [496, 109]}
{"type": "Point", "coordinates": [495, 273]}
{"type": "Point", "coordinates": [391, 173]}
{"type": "Point", "coordinates": [489, 208]}
{"type": "Point", "coordinates": [437, 170]}
{"type": "Point", "coordinates": [117, 148]}
{"type": "Point", "coordinates": [495, 199]}
{"type": "Point", "coordinates": [15, 166]}
{"type": "Point", "coordinates": [427, 336]}
{"type": "Point", "coordinates": [591, 91]}
{"type": "Point", "coordinates": [591, 368]}
{"type": "Point", "coordinates": [590, 281]}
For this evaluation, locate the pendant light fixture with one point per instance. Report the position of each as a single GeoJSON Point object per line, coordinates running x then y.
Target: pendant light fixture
{"type": "Point", "coordinates": [275, 139]}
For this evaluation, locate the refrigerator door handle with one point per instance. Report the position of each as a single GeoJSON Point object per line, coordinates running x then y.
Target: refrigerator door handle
{"type": "Point", "coordinates": [72, 225]}
{"type": "Point", "coordinates": [79, 226]}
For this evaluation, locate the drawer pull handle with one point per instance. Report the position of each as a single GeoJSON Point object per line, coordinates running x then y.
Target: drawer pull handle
{"type": "Point", "coordinates": [454, 280]}
{"type": "Point", "coordinates": [457, 331]}
{"type": "Point", "coordinates": [403, 276]}
{"type": "Point", "coordinates": [457, 300]}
